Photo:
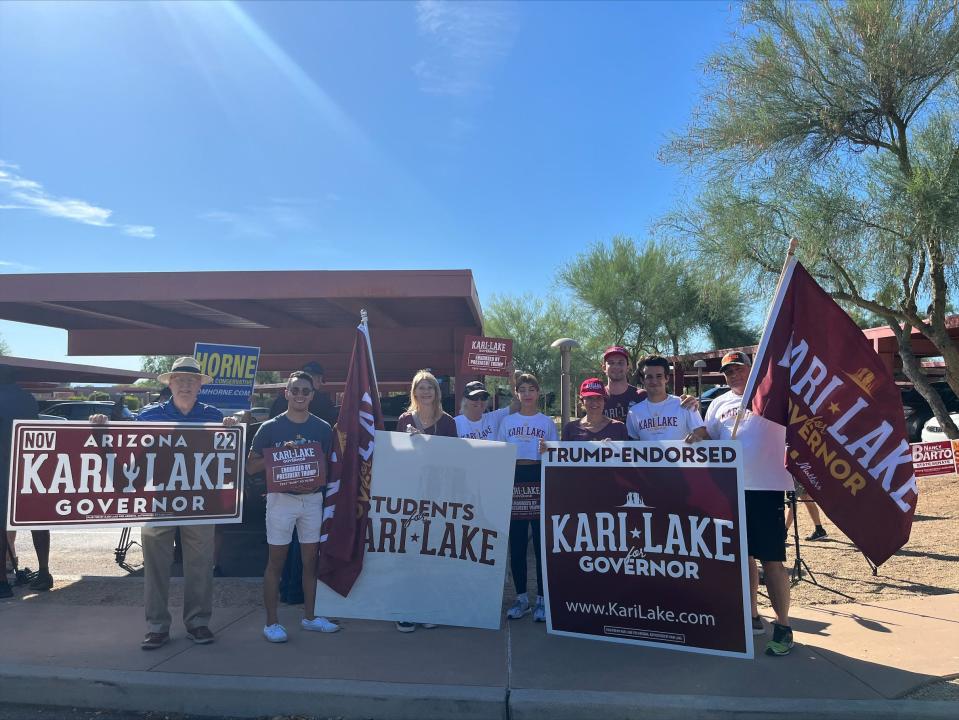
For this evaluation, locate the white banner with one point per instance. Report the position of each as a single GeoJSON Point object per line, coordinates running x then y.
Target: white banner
{"type": "Point", "coordinates": [436, 539]}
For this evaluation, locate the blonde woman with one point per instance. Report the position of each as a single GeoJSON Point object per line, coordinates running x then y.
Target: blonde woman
{"type": "Point", "coordinates": [425, 413]}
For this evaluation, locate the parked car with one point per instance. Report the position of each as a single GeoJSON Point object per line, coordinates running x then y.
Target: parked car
{"type": "Point", "coordinates": [918, 412]}
{"type": "Point", "coordinates": [83, 409]}
{"type": "Point", "coordinates": [710, 395]}
{"type": "Point", "coordinates": [260, 414]}
{"type": "Point", "coordinates": [932, 431]}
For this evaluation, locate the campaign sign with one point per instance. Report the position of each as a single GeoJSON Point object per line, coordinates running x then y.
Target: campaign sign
{"type": "Point", "coordinates": [525, 501]}
{"type": "Point", "coordinates": [233, 369]}
{"type": "Point", "coordinates": [930, 459]}
{"type": "Point", "coordinates": [645, 544]}
{"type": "Point", "coordinates": [486, 356]}
{"type": "Point", "coordinates": [436, 535]}
{"type": "Point", "coordinates": [297, 469]}
{"type": "Point", "coordinates": [78, 475]}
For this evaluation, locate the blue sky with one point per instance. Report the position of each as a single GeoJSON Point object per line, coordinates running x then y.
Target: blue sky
{"type": "Point", "coordinates": [500, 137]}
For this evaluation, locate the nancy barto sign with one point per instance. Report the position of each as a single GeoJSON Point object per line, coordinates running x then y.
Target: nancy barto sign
{"type": "Point", "coordinates": [645, 543]}
{"type": "Point", "coordinates": [80, 475]}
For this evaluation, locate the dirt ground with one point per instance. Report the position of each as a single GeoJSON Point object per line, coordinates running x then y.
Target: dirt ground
{"type": "Point", "coordinates": [927, 565]}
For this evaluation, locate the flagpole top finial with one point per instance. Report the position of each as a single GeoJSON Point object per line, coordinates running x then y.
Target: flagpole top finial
{"type": "Point", "coordinates": [363, 316]}
{"type": "Point", "coordinates": [793, 244]}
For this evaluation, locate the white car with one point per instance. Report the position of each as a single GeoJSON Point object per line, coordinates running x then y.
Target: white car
{"type": "Point", "coordinates": [932, 431]}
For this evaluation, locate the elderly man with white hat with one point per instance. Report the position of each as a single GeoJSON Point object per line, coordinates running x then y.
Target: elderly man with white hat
{"type": "Point", "coordinates": [185, 380]}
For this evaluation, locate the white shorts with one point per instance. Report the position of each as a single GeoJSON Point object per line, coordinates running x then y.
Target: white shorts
{"type": "Point", "coordinates": [285, 511]}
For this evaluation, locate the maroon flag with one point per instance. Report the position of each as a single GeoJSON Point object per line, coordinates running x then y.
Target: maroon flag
{"type": "Point", "coordinates": [816, 374]}
{"type": "Point", "coordinates": [347, 504]}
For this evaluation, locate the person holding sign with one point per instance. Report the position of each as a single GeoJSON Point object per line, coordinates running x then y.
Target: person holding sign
{"type": "Point", "coordinates": [184, 380]}
{"type": "Point", "coordinates": [594, 425]}
{"type": "Point", "coordinates": [425, 415]}
{"type": "Point", "coordinates": [475, 422]}
{"type": "Point", "coordinates": [528, 430]}
{"type": "Point", "coordinates": [293, 450]}
{"type": "Point", "coordinates": [661, 416]}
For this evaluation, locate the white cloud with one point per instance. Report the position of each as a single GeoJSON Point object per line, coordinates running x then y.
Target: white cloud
{"type": "Point", "coordinates": [275, 217]}
{"type": "Point", "coordinates": [466, 40]}
{"type": "Point", "coordinates": [20, 193]}
{"type": "Point", "coordinates": [146, 232]}
{"type": "Point", "coordinates": [8, 266]}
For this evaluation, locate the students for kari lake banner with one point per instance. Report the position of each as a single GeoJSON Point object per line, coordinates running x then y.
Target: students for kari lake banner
{"type": "Point", "coordinates": [435, 536]}
{"type": "Point", "coordinates": [78, 475]}
{"type": "Point", "coordinates": [233, 369]}
{"type": "Point", "coordinates": [645, 544]}
{"type": "Point", "coordinates": [816, 374]}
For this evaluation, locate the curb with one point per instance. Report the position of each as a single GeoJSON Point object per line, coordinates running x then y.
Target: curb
{"type": "Point", "coordinates": [233, 696]}
{"type": "Point", "coordinates": [586, 705]}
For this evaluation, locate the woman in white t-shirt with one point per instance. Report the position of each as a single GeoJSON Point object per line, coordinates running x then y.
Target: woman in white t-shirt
{"type": "Point", "coordinates": [527, 430]}
{"type": "Point", "coordinates": [474, 422]}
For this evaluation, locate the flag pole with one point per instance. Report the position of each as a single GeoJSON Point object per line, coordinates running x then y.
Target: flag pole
{"type": "Point", "coordinates": [763, 341]}
{"type": "Point", "coordinates": [365, 329]}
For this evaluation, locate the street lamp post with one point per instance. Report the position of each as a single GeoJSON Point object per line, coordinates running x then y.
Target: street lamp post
{"type": "Point", "coordinates": [565, 346]}
{"type": "Point", "coordinates": [699, 365]}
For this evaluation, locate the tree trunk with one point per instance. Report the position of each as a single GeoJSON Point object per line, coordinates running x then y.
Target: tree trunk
{"type": "Point", "coordinates": [913, 370]}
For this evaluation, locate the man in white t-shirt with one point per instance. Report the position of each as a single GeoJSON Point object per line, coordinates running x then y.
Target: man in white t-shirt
{"type": "Point", "coordinates": [661, 416]}
{"type": "Point", "coordinates": [765, 480]}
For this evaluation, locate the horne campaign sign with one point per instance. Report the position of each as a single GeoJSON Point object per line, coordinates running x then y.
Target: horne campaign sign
{"type": "Point", "coordinates": [77, 475]}
{"type": "Point", "coordinates": [233, 369]}
{"type": "Point", "coordinates": [645, 544]}
{"type": "Point", "coordinates": [486, 355]}
{"type": "Point", "coordinates": [436, 534]}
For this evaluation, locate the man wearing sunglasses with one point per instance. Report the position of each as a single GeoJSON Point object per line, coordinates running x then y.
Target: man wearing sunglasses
{"type": "Point", "coordinates": [286, 510]}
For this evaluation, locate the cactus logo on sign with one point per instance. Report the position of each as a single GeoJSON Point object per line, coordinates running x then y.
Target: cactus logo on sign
{"type": "Point", "coordinates": [233, 369]}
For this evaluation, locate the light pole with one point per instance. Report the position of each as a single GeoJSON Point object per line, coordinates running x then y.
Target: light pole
{"type": "Point", "coordinates": [699, 365]}
{"type": "Point", "coordinates": [565, 346]}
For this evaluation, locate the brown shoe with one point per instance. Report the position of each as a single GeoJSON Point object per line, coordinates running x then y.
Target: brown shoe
{"type": "Point", "coordinates": [152, 641]}
{"type": "Point", "coordinates": [200, 635]}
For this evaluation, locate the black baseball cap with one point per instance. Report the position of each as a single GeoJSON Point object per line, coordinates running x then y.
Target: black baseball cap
{"type": "Point", "coordinates": [476, 391]}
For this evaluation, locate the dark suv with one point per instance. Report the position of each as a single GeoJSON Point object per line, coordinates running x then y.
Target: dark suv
{"type": "Point", "coordinates": [83, 409]}
{"type": "Point", "coordinates": [917, 410]}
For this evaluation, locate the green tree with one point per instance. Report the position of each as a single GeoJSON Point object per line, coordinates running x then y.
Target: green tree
{"type": "Point", "coordinates": [4, 347]}
{"type": "Point", "coordinates": [653, 300]}
{"type": "Point", "coordinates": [837, 124]}
{"type": "Point", "coordinates": [533, 323]}
{"type": "Point", "coordinates": [157, 363]}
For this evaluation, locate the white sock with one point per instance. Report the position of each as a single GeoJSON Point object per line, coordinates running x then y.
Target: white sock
{"type": "Point", "coordinates": [539, 599]}
{"type": "Point", "coordinates": [523, 597]}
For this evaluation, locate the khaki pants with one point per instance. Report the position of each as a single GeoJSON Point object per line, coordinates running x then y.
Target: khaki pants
{"type": "Point", "coordinates": [197, 575]}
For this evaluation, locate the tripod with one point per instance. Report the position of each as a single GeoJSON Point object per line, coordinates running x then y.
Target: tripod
{"type": "Point", "coordinates": [796, 574]}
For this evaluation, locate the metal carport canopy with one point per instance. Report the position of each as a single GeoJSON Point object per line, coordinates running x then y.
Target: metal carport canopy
{"type": "Point", "coordinates": [417, 318]}
{"type": "Point", "coordinates": [30, 371]}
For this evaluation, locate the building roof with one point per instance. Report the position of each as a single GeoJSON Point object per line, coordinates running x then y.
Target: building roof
{"type": "Point", "coordinates": [30, 371]}
{"type": "Point", "coordinates": [417, 318]}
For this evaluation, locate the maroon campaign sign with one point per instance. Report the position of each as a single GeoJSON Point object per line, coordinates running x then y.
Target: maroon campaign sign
{"type": "Point", "coordinates": [525, 501]}
{"type": "Point", "coordinates": [645, 544]}
{"type": "Point", "coordinates": [486, 355]}
{"type": "Point", "coordinates": [937, 457]}
{"type": "Point", "coordinates": [297, 469]}
{"type": "Point", "coordinates": [79, 475]}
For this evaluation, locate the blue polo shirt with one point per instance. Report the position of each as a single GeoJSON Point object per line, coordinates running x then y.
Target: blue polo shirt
{"type": "Point", "coordinates": [168, 412]}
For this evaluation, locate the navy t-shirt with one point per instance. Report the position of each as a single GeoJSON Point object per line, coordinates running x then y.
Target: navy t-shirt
{"type": "Point", "coordinates": [281, 430]}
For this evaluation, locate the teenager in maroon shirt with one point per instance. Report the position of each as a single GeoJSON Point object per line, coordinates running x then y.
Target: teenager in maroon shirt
{"type": "Point", "coordinates": [620, 395]}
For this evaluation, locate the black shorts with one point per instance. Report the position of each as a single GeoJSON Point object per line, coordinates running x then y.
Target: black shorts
{"type": "Point", "coordinates": [765, 524]}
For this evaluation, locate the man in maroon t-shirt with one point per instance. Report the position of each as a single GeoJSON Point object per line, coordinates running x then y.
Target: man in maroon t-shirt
{"type": "Point", "coordinates": [620, 395]}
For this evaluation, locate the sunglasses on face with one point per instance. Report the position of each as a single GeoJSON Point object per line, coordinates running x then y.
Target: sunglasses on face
{"type": "Point", "coordinates": [300, 391]}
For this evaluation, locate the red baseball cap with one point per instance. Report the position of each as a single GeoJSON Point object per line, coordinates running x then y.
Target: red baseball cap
{"type": "Point", "coordinates": [734, 358]}
{"type": "Point", "coordinates": [616, 350]}
{"type": "Point", "coordinates": [592, 387]}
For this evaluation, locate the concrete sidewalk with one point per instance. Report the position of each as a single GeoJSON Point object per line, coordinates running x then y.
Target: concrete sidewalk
{"type": "Point", "coordinates": [850, 661]}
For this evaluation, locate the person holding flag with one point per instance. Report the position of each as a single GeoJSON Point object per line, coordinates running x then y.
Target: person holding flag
{"type": "Point", "coordinates": [765, 480]}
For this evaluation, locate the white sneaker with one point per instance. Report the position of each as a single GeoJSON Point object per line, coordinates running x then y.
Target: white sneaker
{"type": "Point", "coordinates": [539, 612]}
{"type": "Point", "coordinates": [405, 627]}
{"type": "Point", "coordinates": [275, 633]}
{"type": "Point", "coordinates": [519, 609]}
{"type": "Point", "coordinates": [319, 624]}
